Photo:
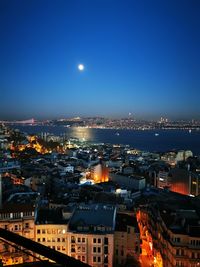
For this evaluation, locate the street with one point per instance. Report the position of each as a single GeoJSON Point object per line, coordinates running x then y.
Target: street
{"type": "Point", "coordinates": [146, 261]}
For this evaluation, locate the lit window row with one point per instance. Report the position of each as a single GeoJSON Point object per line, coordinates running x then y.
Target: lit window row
{"type": "Point", "coordinates": [51, 231]}
{"type": "Point", "coordinates": [59, 248]}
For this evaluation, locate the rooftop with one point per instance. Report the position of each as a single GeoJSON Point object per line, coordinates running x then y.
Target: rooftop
{"type": "Point", "coordinates": [11, 208]}
{"type": "Point", "coordinates": [89, 217]}
{"type": "Point", "coordinates": [50, 216]}
{"type": "Point", "coordinates": [123, 220]}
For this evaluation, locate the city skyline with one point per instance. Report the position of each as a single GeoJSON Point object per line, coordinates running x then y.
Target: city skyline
{"type": "Point", "coordinates": [139, 57]}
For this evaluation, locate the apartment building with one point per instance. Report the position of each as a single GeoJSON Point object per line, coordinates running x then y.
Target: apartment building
{"type": "Point", "coordinates": [173, 229]}
{"type": "Point", "coordinates": [17, 218]}
{"type": "Point", "coordinates": [126, 239]}
{"type": "Point", "coordinates": [91, 234]}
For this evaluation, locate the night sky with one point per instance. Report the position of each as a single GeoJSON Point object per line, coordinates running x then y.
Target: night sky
{"type": "Point", "coordinates": [141, 57]}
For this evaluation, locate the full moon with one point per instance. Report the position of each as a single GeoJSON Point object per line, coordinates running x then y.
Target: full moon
{"type": "Point", "coordinates": [81, 67]}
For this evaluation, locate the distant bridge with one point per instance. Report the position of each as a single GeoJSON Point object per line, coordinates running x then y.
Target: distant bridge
{"type": "Point", "coordinates": [30, 121]}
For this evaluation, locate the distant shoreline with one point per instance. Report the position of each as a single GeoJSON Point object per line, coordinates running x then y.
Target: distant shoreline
{"type": "Point", "coordinates": [192, 128]}
{"type": "Point", "coordinates": [146, 140]}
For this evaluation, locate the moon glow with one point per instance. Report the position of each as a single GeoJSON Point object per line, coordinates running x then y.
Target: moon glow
{"type": "Point", "coordinates": [81, 67]}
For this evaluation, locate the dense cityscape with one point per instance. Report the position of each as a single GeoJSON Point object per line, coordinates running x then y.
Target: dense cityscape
{"type": "Point", "coordinates": [102, 204]}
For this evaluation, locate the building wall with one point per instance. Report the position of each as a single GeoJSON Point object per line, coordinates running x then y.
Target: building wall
{"type": "Point", "coordinates": [127, 245]}
{"type": "Point", "coordinates": [99, 173]}
{"type": "Point", "coordinates": [128, 181]}
{"type": "Point", "coordinates": [21, 223]}
{"type": "Point", "coordinates": [93, 249]}
{"type": "Point", "coordinates": [53, 236]}
{"type": "Point", "coordinates": [174, 249]}
{"type": "Point", "coordinates": [180, 181]}
{"type": "Point", "coordinates": [163, 179]}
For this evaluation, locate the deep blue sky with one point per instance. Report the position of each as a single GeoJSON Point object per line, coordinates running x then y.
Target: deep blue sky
{"type": "Point", "coordinates": [141, 57]}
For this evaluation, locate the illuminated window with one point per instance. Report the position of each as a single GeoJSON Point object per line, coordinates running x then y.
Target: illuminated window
{"type": "Point", "coordinates": [43, 231]}
{"type": "Point", "coordinates": [83, 249]}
